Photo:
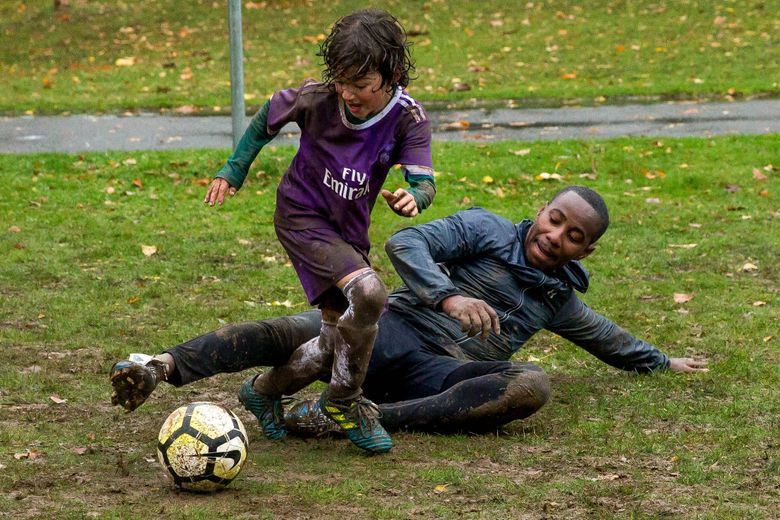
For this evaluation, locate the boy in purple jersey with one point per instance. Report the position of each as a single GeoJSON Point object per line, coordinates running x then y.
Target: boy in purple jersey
{"type": "Point", "coordinates": [354, 126]}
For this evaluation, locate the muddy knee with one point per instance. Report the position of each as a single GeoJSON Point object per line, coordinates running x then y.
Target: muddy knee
{"type": "Point", "coordinates": [530, 389]}
{"type": "Point", "coordinates": [366, 295]}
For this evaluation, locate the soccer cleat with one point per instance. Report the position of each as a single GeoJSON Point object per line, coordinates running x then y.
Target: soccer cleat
{"type": "Point", "coordinates": [134, 382]}
{"type": "Point", "coordinates": [267, 409]}
{"type": "Point", "coordinates": [306, 419]}
{"type": "Point", "coordinates": [359, 418]}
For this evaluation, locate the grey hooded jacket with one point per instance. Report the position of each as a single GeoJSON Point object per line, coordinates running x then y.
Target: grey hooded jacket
{"type": "Point", "coordinates": [478, 254]}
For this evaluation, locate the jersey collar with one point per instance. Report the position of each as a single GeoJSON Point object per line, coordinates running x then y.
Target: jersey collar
{"type": "Point", "coordinates": [373, 119]}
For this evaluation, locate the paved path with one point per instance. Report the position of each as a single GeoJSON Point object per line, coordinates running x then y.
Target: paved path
{"type": "Point", "coordinates": [159, 132]}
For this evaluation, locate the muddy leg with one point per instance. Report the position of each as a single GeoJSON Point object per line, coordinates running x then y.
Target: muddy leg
{"type": "Point", "coordinates": [309, 362]}
{"type": "Point", "coordinates": [240, 346]}
{"type": "Point", "coordinates": [474, 404]}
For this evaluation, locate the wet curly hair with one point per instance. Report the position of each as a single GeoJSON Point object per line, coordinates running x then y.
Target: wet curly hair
{"type": "Point", "coordinates": [368, 40]}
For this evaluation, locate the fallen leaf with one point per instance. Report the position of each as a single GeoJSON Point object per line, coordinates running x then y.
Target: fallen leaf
{"type": "Point", "coordinates": [544, 176]}
{"type": "Point", "coordinates": [314, 39]}
{"type": "Point", "coordinates": [694, 225]}
{"type": "Point", "coordinates": [732, 188]}
{"type": "Point", "coordinates": [133, 300]}
{"type": "Point", "coordinates": [683, 246]}
{"type": "Point", "coordinates": [14, 229]}
{"type": "Point", "coordinates": [767, 338]}
{"type": "Point", "coordinates": [441, 488]}
{"type": "Point", "coordinates": [244, 242]}
{"type": "Point", "coordinates": [524, 151]}
{"type": "Point", "coordinates": [186, 109]}
{"type": "Point", "coordinates": [487, 179]}
{"type": "Point", "coordinates": [759, 303]}
{"type": "Point", "coordinates": [758, 176]}
{"type": "Point", "coordinates": [128, 61]}
{"type": "Point", "coordinates": [57, 399]}
{"type": "Point", "coordinates": [110, 190]}
{"type": "Point", "coordinates": [612, 476]}
{"type": "Point", "coordinates": [457, 125]}
{"type": "Point", "coordinates": [460, 87]}
{"type": "Point", "coordinates": [29, 454]}
{"type": "Point", "coordinates": [682, 297]}
{"type": "Point", "coordinates": [569, 75]}
{"type": "Point", "coordinates": [80, 451]}
{"type": "Point", "coordinates": [763, 193]}
{"type": "Point", "coordinates": [653, 200]}
{"type": "Point", "coordinates": [130, 162]}
{"type": "Point", "coordinates": [148, 250]}
{"type": "Point", "coordinates": [498, 192]}
{"type": "Point", "coordinates": [749, 267]}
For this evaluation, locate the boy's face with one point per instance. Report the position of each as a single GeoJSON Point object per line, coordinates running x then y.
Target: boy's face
{"type": "Point", "coordinates": [364, 95]}
{"type": "Point", "coordinates": [563, 231]}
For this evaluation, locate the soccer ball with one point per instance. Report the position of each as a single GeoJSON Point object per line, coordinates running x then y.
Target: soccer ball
{"type": "Point", "coordinates": [202, 446]}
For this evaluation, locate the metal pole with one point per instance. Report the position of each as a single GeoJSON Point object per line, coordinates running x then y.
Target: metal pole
{"type": "Point", "coordinates": [236, 70]}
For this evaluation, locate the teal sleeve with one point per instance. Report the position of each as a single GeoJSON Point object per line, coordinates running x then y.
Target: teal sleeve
{"type": "Point", "coordinates": [422, 186]}
{"type": "Point", "coordinates": [255, 137]}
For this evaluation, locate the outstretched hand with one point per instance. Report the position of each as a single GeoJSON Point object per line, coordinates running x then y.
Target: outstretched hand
{"type": "Point", "coordinates": [133, 383]}
{"type": "Point", "coordinates": [475, 316]}
{"type": "Point", "coordinates": [688, 365]}
{"type": "Point", "coordinates": [218, 188]}
{"type": "Point", "coordinates": [402, 202]}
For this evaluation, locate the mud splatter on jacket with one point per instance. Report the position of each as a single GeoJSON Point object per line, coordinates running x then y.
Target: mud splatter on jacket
{"type": "Point", "coordinates": [479, 254]}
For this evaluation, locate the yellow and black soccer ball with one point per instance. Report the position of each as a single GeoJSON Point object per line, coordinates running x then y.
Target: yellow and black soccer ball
{"type": "Point", "coordinates": [202, 446]}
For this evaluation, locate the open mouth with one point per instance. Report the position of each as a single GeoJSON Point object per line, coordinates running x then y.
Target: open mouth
{"type": "Point", "coordinates": [546, 253]}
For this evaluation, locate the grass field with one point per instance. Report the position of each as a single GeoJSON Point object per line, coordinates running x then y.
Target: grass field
{"type": "Point", "coordinates": [102, 55]}
{"type": "Point", "coordinates": [697, 217]}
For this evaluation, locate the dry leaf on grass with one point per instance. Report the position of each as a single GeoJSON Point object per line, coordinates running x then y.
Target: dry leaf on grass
{"type": "Point", "coordinates": [682, 297]}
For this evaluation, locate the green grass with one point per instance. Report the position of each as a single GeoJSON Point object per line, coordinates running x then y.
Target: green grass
{"type": "Point", "coordinates": [77, 293]}
{"type": "Point", "coordinates": [535, 52]}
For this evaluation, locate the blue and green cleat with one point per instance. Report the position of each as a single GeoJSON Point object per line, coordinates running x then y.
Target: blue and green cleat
{"type": "Point", "coordinates": [267, 409]}
{"type": "Point", "coordinates": [359, 419]}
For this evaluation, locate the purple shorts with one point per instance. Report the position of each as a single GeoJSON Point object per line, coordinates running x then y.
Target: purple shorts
{"type": "Point", "coordinates": [321, 258]}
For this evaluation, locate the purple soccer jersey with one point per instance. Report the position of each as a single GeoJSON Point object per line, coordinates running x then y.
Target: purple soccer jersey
{"type": "Point", "coordinates": [340, 167]}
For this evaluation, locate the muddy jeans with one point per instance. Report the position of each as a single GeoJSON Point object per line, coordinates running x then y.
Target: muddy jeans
{"type": "Point", "coordinates": [416, 389]}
